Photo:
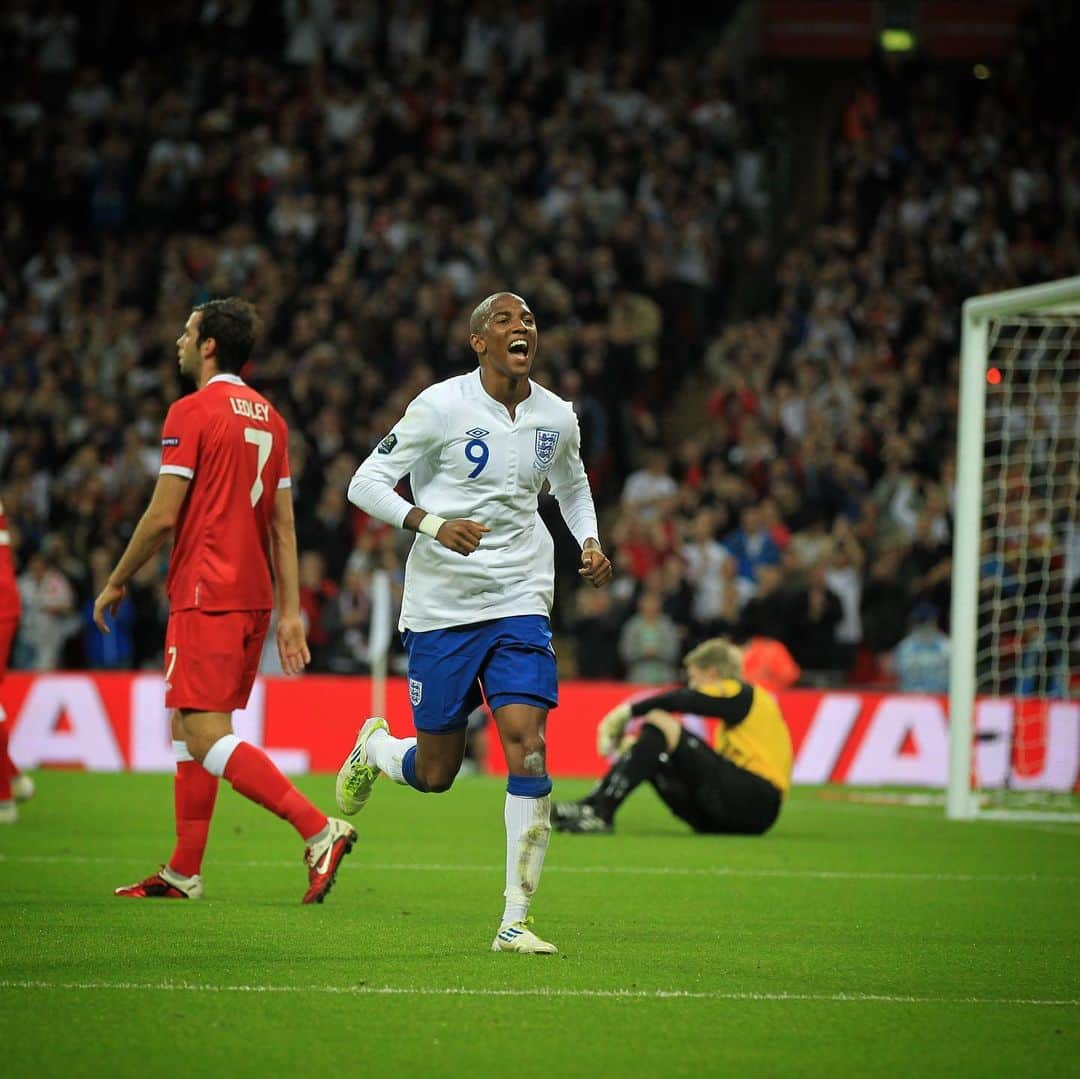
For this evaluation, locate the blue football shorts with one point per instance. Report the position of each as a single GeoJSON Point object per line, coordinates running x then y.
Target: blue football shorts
{"type": "Point", "coordinates": [511, 660]}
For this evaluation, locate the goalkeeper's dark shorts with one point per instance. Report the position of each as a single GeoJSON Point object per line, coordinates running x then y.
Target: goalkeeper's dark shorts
{"type": "Point", "coordinates": [714, 795]}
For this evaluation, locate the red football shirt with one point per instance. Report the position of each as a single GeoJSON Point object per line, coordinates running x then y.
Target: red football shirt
{"type": "Point", "coordinates": [233, 446]}
{"type": "Point", "coordinates": [9, 591]}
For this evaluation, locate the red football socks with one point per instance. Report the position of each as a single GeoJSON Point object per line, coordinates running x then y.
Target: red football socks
{"type": "Point", "coordinates": [194, 794]}
{"type": "Point", "coordinates": [254, 775]}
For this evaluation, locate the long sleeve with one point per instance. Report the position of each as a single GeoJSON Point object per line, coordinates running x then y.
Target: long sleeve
{"type": "Point", "coordinates": [417, 434]}
{"type": "Point", "coordinates": [732, 710]}
{"type": "Point", "coordinates": [570, 488]}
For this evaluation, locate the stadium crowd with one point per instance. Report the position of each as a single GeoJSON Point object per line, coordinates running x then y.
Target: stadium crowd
{"type": "Point", "coordinates": [365, 173]}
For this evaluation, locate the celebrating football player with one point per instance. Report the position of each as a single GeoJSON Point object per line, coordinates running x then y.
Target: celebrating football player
{"type": "Point", "coordinates": [479, 583]}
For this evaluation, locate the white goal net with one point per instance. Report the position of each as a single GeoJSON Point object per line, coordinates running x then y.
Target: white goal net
{"type": "Point", "coordinates": [1015, 722]}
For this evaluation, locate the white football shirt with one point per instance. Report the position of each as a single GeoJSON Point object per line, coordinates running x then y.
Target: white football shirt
{"type": "Point", "coordinates": [467, 458]}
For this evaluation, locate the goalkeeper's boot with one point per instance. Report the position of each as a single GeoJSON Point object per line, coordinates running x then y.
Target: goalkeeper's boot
{"type": "Point", "coordinates": [518, 937]}
{"type": "Point", "coordinates": [164, 885]}
{"type": "Point", "coordinates": [588, 820]}
{"type": "Point", "coordinates": [22, 787]}
{"type": "Point", "coordinates": [356, 777]}
{"type": "Point", "coordinates": [324, 857]}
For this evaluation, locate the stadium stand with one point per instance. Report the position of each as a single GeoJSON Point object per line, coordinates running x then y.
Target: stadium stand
{"type": "Point", "coordinates": [767, 398]}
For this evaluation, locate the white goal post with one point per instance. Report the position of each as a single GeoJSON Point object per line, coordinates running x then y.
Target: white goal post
{"type": "Point", "coordinates": [1028, 325]}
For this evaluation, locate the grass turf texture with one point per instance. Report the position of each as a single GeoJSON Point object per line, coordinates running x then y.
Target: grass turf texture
{"type": "Point", "coordinates": [854, 939]}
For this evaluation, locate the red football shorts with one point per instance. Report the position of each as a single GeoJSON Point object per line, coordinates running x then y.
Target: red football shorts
{"type": "Point", "coordinates": [212, 657]}
{"type": "Point", "coordinates": [8, 628]}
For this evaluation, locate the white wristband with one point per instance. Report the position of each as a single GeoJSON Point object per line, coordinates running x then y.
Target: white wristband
{"type": "Point", "coordinates": [430, 525]}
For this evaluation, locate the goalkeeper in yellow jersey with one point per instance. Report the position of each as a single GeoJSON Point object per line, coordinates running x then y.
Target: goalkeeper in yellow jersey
{"type": "Point", "coordinates": [737, 787]}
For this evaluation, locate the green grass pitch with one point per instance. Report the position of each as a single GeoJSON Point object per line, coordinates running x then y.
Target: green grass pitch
{"type": "Point", "coordinates": [855, 939]}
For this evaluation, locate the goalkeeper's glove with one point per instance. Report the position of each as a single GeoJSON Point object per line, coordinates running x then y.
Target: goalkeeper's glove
{"type": "Point", "coordinates": [610, 730]}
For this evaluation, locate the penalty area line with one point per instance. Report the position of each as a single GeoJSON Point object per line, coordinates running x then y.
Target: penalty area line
{"type": "Point", "coordinates": [465, 991]}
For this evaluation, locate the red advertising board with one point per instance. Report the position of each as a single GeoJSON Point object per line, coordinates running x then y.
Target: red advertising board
{"type": "Point", "coordinates": [118, 722]}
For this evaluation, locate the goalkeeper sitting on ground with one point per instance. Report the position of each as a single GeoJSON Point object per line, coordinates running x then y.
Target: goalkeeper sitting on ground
{"type": "Point", "coordinates": [738, 788]}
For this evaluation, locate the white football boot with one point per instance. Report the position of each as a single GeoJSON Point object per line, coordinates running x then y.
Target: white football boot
{"type": "Point", "coordinates": [356, 777]}
{"type": "Point", "coordinates": [518, 937]}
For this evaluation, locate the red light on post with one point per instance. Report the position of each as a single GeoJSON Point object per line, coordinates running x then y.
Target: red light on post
{"type": "Point", "coordinates": [993, 376]}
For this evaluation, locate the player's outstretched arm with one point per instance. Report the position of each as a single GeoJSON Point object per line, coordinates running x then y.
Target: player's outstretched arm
{"type": "Point", "coordinates": [291, 638]}
{"type": "Point", "coordinates": [154, 528]}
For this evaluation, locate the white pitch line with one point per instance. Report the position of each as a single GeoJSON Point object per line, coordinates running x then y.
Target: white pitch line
{"type": "Point", "coordinates": [596, 870]}
{"type": "Point", "coordinates": [463, 991]}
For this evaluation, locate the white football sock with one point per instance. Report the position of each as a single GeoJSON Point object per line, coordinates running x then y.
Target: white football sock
{"type": "Point", "coordinates": [528, 829]}
{"type": "Point", "coordinates": [385, 752]}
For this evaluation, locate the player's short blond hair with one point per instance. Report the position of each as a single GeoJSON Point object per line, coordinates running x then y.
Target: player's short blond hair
{"type": "Point", "coordinates": [719, 654]}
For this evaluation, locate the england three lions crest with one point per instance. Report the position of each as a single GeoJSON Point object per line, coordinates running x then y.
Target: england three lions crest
{"type": "Point", "coordinates": [546, 443]}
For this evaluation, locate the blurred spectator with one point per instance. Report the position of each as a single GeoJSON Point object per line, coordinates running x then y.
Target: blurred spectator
{"type": "Point", "coordinates": [843, 577]}
{"type": "Point", "coordinates": [649, 644]}
{"type": "Point", "coordinates": [767, 612]}
{"type": "Point", "coordinates": [328, 530]}
{"type": "Point", "coordinates": [677, 595]}
{"type": "Point", "coordinates": [927, 567]}
{"type": "Point", "coordinates": [883, 613]}
{"type": "Point", "coordinates": [812, 543]}
{"type": "Point", "coordinates": [318, 593]}
{"type": "Point", "coordinates": [921, 659]}
{"type": "Point", "coordinates": [641, 546]}
{"type": "Point", "coordinates": [767, 662]}
{"type": "Point", "coordinates": [815, 613]}
{"type": "Point", "coordinates": [596, 628]}
{"type": "Point", "coordinates": [1043, 660]}
{"type": "Point", "coordinates": [346, 622]}
{"type": "Point", "coordinates": [150, 615]}
{"type": "Point", "coordinates": [710, 571]}
{"type": "Point", "coordinates": [48, 614]}
{"type": "Point", "coordinates": [115, 650]}
{"type": "Point", "coordinates": [751, 544]}
{"type": "Point", "coordinates": [649, 492]}
{"type": "Point", "coordinates": [774, 524]}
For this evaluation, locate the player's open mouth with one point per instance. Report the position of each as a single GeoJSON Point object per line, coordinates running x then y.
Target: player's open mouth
{"type": "Point", "coordinates": [518, 348]}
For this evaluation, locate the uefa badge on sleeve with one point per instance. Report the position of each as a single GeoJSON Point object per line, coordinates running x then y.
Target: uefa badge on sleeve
{"type": "Point", "coordinates": [546, 442]}
{"type": "Point", "coordinates": [416, 692]}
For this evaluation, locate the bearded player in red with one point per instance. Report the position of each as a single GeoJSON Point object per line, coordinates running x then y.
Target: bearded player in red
{"type": "Point", "coordinates": [14, 786]}
{"type": "Point", "coordinates": [224, 489]}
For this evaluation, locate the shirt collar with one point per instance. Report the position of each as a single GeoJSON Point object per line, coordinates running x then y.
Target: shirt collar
{"type": "Point", "coordinates": [498, 405]}
{"type": "Point", "coordinates": [226, 376]}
